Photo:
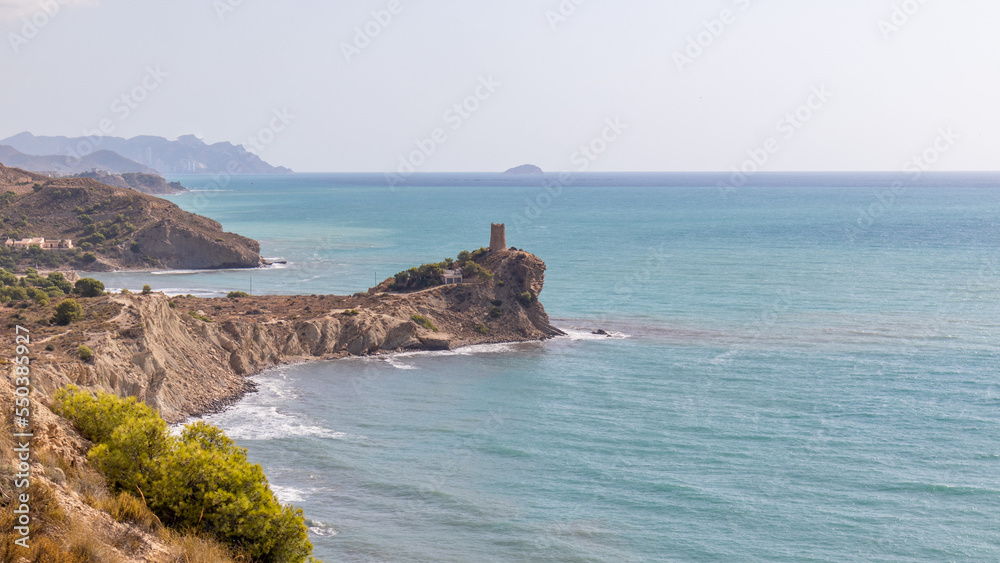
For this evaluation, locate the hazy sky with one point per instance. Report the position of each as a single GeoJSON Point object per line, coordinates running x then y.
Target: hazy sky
{"type": "Point", "coordinates": [645, 85]}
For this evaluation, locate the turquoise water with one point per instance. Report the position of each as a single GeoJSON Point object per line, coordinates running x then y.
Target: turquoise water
{"type": "Point", "coordinates": [795, 374]}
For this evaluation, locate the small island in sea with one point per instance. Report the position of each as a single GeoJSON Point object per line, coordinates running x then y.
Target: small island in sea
{"type": "Point", "coordinates": [524, 170]}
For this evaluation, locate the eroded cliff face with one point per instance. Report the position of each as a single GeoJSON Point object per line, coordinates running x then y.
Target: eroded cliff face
{"type": "Point", "coordinates": [183, 363]}
{"type": "Point", "coordinates": [180, 245]}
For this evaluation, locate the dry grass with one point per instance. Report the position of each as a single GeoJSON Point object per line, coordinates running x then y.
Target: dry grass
{"type": "Point", "coordinates": [192, 548]}
{"type": "Point", "coordinates": [131, 510]}
{"type": "Point", "coordinates": [83, 545]}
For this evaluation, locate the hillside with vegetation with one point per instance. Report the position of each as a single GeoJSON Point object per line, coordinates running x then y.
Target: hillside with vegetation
{"type": "Point", "coordinates": [111, 228]}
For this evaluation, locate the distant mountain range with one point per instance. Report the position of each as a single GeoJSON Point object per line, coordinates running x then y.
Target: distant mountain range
{"type": "Point", "coordinates": [61, 165]}
{"type": "Point", "coordinates": [188, 154]}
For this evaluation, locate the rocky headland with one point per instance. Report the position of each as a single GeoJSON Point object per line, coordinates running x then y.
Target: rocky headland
{"type": "Point", "coordinates": [112, 228]}
{"type": "Point", "coordinates": [188, 355]}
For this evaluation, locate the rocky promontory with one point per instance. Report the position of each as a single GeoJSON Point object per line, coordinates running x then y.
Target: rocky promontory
{"type": "Point", "coordinates": [187, 355]}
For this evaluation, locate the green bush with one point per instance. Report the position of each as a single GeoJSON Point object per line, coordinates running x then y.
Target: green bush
{"type": "Point", "coordinates": [237, 294]}
{"type": "Point", "coordinates": [146, 290]}
{"type": "Point", "coordinates": [14, 293]}
{"type": "Point", "coordinates": [197, 481]}
{"type": "Point", "coordinates": [38, 295]}
{"type": "Point", "coordinates": [67, 311]}
{"type": "Point", "coordinates": [200, 317]}
{"type": "Point", "coordinates": [85, 353]}
{"type": "Point", "coordinates": [126, 291]}
{"type": "Point", "coordinates": [351, 313]}
{"type": "Point", "coordinates": [496, 312]}
{"type": "Point", "coordinates": [56, 279]}
{"type": "Point", "coordinates": [89, 287]}
{"type": "Point", "coordinates": [424, 322]}
{"type": "Point", "coordinates": [482, 329]}
{"type": "Point", "coordinates": [526, 298]}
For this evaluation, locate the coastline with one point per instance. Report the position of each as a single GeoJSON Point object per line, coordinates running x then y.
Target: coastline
{"type": "Point", "coordinates": [188, 356]}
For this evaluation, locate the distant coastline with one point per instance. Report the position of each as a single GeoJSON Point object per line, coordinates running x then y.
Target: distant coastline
{"type": "Point", "coordinates": [672, 179]}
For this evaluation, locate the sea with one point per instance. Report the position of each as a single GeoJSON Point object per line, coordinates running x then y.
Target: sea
{"type": "Point", "coordinates": [794, 370]}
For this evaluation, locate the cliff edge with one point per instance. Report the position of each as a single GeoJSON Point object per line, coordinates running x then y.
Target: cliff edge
{"type": "Point", "coordinates": [186, 356]}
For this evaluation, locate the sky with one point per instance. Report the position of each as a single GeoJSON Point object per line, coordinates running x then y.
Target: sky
{"type": "Point", "coordinates": [568, 85]}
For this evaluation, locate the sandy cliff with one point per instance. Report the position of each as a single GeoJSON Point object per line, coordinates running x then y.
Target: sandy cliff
{"type": "Point", "coordinates": [184, 363]}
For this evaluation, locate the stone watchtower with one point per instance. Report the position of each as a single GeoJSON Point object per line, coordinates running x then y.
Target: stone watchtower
{"type": "Point", "coordinates": [498, 237]}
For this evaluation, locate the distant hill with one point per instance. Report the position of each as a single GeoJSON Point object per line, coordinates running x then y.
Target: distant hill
{"type": "Point", "coordinates": [525, 169]}
{"type": "Point", "coordinates": [112, 228]}
{"type": "Point", "coordinates": [188, 154]}
{"type": "Point", "coordinates": [145, 183]}
{"type": "Point", "coordinates": [62, 165]}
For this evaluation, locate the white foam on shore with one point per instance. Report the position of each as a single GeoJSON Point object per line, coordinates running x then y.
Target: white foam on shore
{"type": "Point", "coordinates": [587, 334]}
{"type": "Point", "coordinates": [394, 362]}
{"type": "Point", "coordinates": [287, 495]}
{"type": "Point", "coordinates": [257, 417]}
{"type": "Point", "coordinates": [320, 529]}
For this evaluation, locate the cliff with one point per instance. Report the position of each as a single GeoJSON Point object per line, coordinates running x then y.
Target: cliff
{"type": "Point", "coordinates": [145, 183]}
{"type": "Point", "coordinates": [183, 363]}
{"type": "Point", "coordinates": [185, 356]}
{"type": "Point", "coordinates": [113, 228]}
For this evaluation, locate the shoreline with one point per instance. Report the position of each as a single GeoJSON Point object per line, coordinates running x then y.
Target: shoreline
{"type": "Point", "coordinates": [190, 356]}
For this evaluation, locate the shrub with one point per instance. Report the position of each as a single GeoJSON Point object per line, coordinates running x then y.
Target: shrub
{"type": "Point", "coordinates": [172, 304]}
{"type": "Point", "coordinates": [38, 295]}
{"type": "Point", "coordinates": [206, 482]}
{"type": "Point", "coordinates": [526, 298]}
{"type": "Point", "coordinates": [351, 313]}
{"type": "Point", "coordinates": [60, 281]}
{"type": "Point", "coordinates": [68, 311]}
{"type": "Point", "coordinates": [200, 317]}
{"type": "Point", "coordinates": [424, 322]}
{"type": "Point", "coordinates": [85, 353]}
{"type": "Point", "coordinates": [237, 294]}
{"type": "Point", "coordinates": [89, 287]}
{"type": "Point", "coordinates": [146, 290]}
{"type": "Point", "coordinates": [496, 312]}
{"type": "Point", "coordinates": [482, 329]}
{"type": "Point", "coordinates": [199, 481]}
{"type": "Point", "coordinates": [126, 291]}
{"type": "Point", "coordinates": [496, 302]}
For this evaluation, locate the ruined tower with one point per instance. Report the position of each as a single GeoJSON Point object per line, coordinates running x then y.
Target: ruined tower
{"type": "Point", "coordinates": [498, 237]}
